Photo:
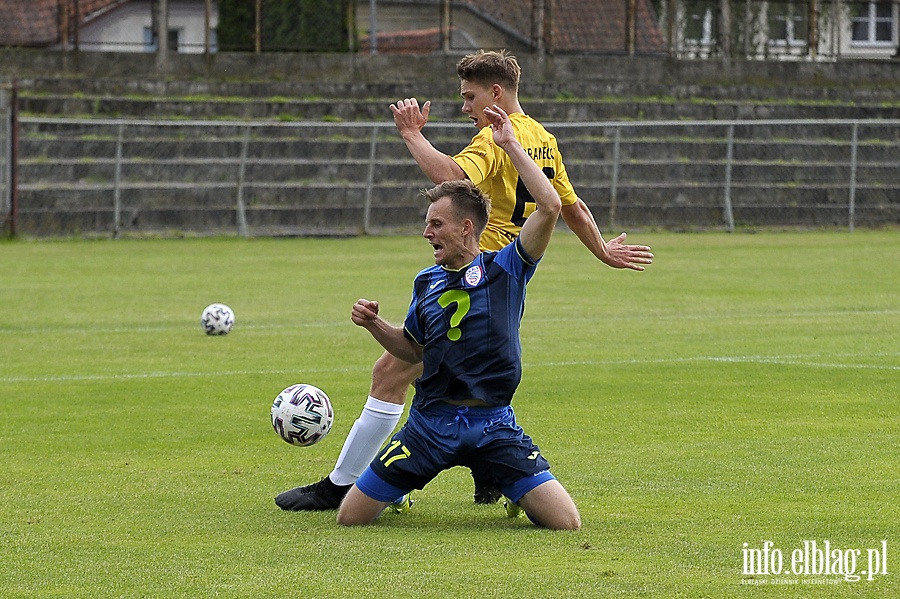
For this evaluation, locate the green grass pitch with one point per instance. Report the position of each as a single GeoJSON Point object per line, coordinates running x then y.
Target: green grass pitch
{"type": "Point", "coordinates": [744, 389]}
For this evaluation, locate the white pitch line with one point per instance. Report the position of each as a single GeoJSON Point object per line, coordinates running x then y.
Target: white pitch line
{"type": "Point", "coordinates": [776, 360]}
{"type": "Point", "coordinates": [737, 318]}
{"type": "Point", "coordinates": [83, 330]}
{"type": "Point", "coordinates": [780, 361]}
{"type": "Point", "coordinates": [162, 375]}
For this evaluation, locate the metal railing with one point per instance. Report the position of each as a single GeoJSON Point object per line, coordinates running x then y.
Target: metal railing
{"type": "Point", "coordinates": [114, 177]}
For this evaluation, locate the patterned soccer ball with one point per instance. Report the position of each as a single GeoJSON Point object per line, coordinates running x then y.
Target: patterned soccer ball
{"type": "Point", "coordinates": [302, 415]}
{"type": "Point", "coordinates": [217, 319]}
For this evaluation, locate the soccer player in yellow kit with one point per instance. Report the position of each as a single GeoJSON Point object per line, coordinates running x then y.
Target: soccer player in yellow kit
{"type": "Point", "coordinates": [486, 79]}
{"type": "Point", "coordinates": [491, 171]}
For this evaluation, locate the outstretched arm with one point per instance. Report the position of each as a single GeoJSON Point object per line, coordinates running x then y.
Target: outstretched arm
{"type": "Point", "coordinates": [614, 252]}
{"type": "Point", "coordinates": [538, 228]}
{"type": "Point", "coordinates": [436, 165]}
{"type": "Point", "coordinates": [391, 338]}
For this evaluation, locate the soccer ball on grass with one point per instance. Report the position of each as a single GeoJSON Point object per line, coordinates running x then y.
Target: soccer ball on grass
{"type": "Point", "coordinates": [217, 319]}
{"type": "Point", "coordinates": [302, 415]}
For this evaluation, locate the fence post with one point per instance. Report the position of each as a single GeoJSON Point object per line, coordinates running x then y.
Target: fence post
{"type": "Point", "coordinates": [854, 142]}
{"type": "Point", "coordinates": [614, 184]}
{"type": "Point", "coordinates": [539, 35]}
{"type": "Point", "coordinates": [370, 181]}
{"type": "Point", "coordinates": [445, 26]}
{"type": "Point", "coordinates": [162, 35]}
{"type": "Point", "coordinates": [207, 20]}
{"type": "Point", "coordinates": [729, 214]}
{"type": "Point", "coordinates": [630, 26]}
{"type": "Point", "coordinates": [373, 28]}
{"type": "Point", "coordinates": [5, 147]}
{"type": "Point", "coordinates": [257, 27]}
{"type": "Point", "coordinates": [13, 180]}
{"type": "Point", "coordinates": [241, 213]}
{"type": "Point", "coordinates": [117, 183]}
{"type": "Point", "coordinates": [813, 30]}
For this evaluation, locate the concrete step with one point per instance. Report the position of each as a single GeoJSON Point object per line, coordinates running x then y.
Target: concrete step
{"type": "Point", "coordinates": [399, 86]}
{"type": "Point", "coordinates": [201, 171]}
{"type": "Point", "coordinates": [291, 173]}
{"type": "Point", "coordinates": [394, 152]}
{"type": "Point", "coordinates": [327, 196]}
{"type": "Point", "coordinates": [780, 141]}
{"type": "Point", "coordinates": [580, 110]}
{"type": "Point", "coordinates": [672, 207]}
{"type": "Point", "coordinates": [38, 196]}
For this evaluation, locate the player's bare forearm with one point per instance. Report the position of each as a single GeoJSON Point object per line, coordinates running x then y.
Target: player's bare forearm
{"type": "Point", "coordinates": [391, 338]}
{"type": "Point", "coordinates": [396, 343]}
{"type": "Point", "coordinates": [538, 228]}
{"type": "Point", "coordinates": [410, 121]}
{"type": "Point", "coordinates": [436, 165]}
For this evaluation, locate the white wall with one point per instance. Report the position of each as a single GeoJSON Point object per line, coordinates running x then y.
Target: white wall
{"type": "Point", "coordinates": [122, 29]}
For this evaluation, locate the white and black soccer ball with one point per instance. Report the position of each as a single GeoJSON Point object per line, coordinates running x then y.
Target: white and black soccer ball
{"type": "Point", "coordinates": [217, 319]}
{"type": "Point", "coordinates": [302, 415]}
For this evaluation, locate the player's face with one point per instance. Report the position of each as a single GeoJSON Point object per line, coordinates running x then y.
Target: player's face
{"type": "Point", "coordinates": [476, 98]}
{"type": "Point", "coordinates": [445, 233]}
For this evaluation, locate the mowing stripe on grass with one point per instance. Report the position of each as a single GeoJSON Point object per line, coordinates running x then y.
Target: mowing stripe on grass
{"type": "Point", "coordinates": [795, 360]}
{"type": "Point", "coordinates": [57, 328]}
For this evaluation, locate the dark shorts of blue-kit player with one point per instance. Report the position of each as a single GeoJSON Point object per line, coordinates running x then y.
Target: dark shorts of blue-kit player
{"type": "Point", "coordinates": [440, 436]}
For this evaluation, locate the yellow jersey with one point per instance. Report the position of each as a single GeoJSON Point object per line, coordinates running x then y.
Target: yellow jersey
{"type": "Point", "coordinates": [491, 170]}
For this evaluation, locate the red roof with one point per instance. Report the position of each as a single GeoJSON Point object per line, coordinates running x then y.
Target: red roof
{"type": "Point", "coordinates": [573, 26]}
{"type": "Point", "coordinates": [39, 22]}
{"type": "Point", "coordinates": [580, 25]}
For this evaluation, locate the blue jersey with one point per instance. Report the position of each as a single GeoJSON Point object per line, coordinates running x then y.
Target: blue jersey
{"type": "Point", "coordinates": [468, 324]}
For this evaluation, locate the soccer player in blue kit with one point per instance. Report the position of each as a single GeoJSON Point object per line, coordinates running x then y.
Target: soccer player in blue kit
{"type": "Point", "coordinates": [486, 78]}
{"type": "Point", "coordinates": [463, 325]}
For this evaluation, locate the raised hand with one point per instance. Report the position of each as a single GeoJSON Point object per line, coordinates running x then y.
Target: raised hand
{"type": "Point", "coordinates": [407, 115]}
{"type": "Point", "coordinates": [500, 125]}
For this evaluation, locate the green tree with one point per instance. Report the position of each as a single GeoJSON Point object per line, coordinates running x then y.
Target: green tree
{"type": "Point", "coordinates": [236, 27]}
{"type": "Point", "coordinates": [287, 25]}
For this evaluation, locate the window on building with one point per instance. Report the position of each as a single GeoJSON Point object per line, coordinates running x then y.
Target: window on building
{"type": "Point", "coordinates": [150, 41]}
{"type": "Point", "coordinates": [700, 26]}
{"type": "Point", "coordinates": [787, 24]}
{"type": "Point", "coordinates": [873, 22]}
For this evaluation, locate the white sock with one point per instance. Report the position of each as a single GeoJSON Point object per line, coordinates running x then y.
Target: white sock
{"type": "Point", "coordinates": [376, 422]}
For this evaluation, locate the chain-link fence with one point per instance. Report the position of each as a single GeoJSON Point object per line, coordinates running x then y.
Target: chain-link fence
{"type": "Point", "coordinates": [130, 177]}
{"type": "Point", "coordinates": [690, 29]}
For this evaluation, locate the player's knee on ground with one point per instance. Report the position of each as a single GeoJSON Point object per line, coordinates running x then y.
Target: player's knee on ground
{"type": "Point", "coordinates": [550, 506]}
{"type": "Point", "coordinates": [358, 509]}
{"type": "Point", "coordinates": [391, 378]}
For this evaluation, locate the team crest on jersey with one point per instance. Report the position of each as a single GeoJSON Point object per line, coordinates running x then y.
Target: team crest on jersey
{"type": "Point", "coordinates": [473, 275]}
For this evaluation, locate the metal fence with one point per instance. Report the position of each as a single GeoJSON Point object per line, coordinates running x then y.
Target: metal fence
{"type": "Point", "coordinates": [117, 177]}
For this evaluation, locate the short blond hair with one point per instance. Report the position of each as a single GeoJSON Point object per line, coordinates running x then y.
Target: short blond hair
{"type": "Point", "coordinates": [487, 67]}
